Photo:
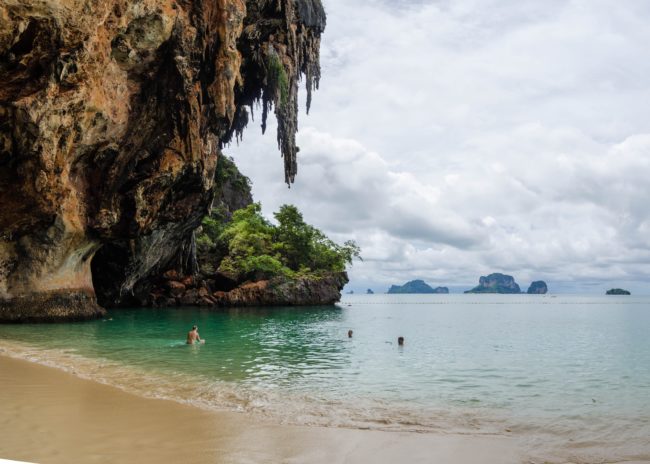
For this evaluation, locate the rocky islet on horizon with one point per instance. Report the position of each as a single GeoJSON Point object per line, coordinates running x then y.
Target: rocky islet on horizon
{"type": "Point", "coordinates": [493, 283]}
{"type": "Point", "coordinates": [505, 284]}
{"type": "Point", "coordinates": [416, 286]}
{"type": "Point", "coordinates": [218, 290]}
{"type": "Point", "coordinates": [617, 291]}
{"type": "Point", "coordinates": [496, 283]}
{"type": "Point", "coordinates": [538, 287]}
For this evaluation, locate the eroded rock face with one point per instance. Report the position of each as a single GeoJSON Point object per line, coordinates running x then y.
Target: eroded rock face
{"type": "Point", "coordinates": [538, 287]}
{"type": "Point", "coordinates": [112, 115]}
{"type": "Point", "coordinates": [285, 292]}
{"type": "Point", "coordinates": [496, 283]}
{"type": "Point", "coordinates": [173, 289]}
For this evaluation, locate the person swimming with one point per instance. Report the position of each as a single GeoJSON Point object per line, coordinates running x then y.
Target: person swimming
{"type": "Point", "coordinates": [350, 333]}
{"type": "Point", "coordinates": [193, 336]}
{"type": "Point", "coordinates": [400, 341]}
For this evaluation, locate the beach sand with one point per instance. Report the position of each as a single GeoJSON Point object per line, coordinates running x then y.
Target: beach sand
{"type": "Point", "coordinates": [50, 416]}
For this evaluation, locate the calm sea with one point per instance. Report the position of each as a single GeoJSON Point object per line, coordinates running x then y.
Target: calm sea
{"type": "Point", "coordinates": [567, 376]}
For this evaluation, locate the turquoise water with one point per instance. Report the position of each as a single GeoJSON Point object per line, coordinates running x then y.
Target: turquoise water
{"type": "Point", "coordinates": [569, 376]}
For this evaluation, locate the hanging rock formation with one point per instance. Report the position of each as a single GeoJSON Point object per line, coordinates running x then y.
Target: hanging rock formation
{"type": "Point", "coordinates": [112, 116]}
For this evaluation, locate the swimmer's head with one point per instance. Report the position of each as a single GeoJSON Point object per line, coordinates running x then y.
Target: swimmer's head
{"type": "Point", "coordinates": [194, 327]}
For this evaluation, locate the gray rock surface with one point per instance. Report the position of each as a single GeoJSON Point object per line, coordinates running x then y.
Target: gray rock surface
{"type": "Point", "coordinates": [496, 283]}
{"type": "Point", "coordinates": [538, 287]}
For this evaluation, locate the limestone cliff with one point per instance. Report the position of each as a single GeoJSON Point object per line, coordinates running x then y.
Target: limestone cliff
{"type": "Point", "coordinates": [112, 116]}
{"type": "Point", "coordinates": [538, 287]}
{"type": "Point", "coordinates": [496, 283]}
{"type": "Point", "coordinates": [416, 286]}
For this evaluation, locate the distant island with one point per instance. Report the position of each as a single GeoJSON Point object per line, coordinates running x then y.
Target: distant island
{"type": "Point", "coordinates": [370, 292]}
{"type": "Point", "coordinates": [416, 286]}
{"type": "Point", "coordinates": [617, 291]}
{"type": "Point", "coordinates": [496, 283]}
{"type": "Point", "coordinates": [537, 288]}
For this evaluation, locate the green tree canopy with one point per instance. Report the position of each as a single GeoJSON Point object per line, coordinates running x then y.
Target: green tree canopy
{"type": "Point", "coordinates": [256, 246]}
{"type": "Point", "coordinates": [304, 246]}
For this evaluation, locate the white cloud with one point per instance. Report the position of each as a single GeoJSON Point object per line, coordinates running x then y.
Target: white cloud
{"type": "Point", "coordinates": [455, 138]}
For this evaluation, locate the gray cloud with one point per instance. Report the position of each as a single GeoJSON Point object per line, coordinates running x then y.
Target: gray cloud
{"type": "Point", "coordinates": [454, 138]}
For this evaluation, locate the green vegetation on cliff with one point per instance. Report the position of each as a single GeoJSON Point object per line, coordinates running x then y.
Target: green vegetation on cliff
{"type": "Point", "coordinates": [253, 247]}
{"type": "Point", "coordinates": [538, 287]}
{"type": "Point", "coordinates": [278, 79]}
{"type": "Point", "coordinates": [246, 260]}
{"type": "Point", "coordinates": [230, 182]}
{"type": "Point", "coordinates": [232, 192]}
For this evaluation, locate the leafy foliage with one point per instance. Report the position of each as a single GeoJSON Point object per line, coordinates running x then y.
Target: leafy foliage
{"type": "Point", "coordinates": [227, 172]}
{"type": "Point", "coordinates": [256, 247]}
{"type": "Point", "coordinates": [278, 79]}
{"type": "Point", "coordinates": [304, 246]}
{"type": "Point", "coordinates": [209, 245]}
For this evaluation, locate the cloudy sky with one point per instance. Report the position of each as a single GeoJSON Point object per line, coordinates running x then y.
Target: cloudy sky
{"type": "Point", "coordinates": [455, 138]}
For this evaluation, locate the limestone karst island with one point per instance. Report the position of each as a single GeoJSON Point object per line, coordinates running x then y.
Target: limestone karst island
{"type": "Point", "coordinates": [324, 231]}
{"type": "Point", "coordinates": [416, 286]}
{"type": "Point", "coordinates": [502, 283]}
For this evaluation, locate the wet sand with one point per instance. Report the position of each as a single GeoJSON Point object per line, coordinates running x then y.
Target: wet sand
{"type": "Point", "coordinates": [50, 416]}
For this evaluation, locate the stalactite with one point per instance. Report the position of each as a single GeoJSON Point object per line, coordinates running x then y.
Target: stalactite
{"type": "Point", "coordinates": [280, 52]}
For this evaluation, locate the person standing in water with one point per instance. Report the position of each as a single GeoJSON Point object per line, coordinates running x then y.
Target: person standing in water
{"type": "Point", "coordinates": [193, 336]}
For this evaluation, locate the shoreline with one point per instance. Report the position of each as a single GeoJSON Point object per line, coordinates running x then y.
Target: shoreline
{"type": "Point", "coordinates": [270, 407]}
{"type": "Point", "coordinates": [52, 416]}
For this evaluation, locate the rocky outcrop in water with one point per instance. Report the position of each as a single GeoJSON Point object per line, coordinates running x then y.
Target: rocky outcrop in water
{"type": "Point", "coordinates": [617, 291]}
{"type": "Point", "coordinates": [416, 286]}
{"type": "Point", "coordinates": [496, 283]}
{"type": "Point", "coordinates": [220, 290]}
{"type": "Point", "coordinates": [538, 287]}
{"type": "Point", "coordinates": [112, 117]}
{"type": "Point", "coordinates": [281, 291]}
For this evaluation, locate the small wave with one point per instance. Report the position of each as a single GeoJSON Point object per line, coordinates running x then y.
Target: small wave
{"type": "Point", "coordinates": [565, 439]}
{"type": "Point", "coordinates": [276, 406]}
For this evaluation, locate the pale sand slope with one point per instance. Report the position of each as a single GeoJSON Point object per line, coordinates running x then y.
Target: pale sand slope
{"type": "Point", "coordinates": [49, 416]}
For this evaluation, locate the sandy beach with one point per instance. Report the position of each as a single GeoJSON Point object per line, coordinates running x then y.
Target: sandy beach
{"type": "Point", "coordinates": [50, 416]}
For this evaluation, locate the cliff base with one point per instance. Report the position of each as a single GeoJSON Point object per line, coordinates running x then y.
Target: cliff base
{"type": "Point", "coordinates": [55, 306]}
{"type": "Point", "coordinates": [219, 291]}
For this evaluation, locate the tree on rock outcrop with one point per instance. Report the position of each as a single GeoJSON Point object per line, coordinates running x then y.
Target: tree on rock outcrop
{"type": "Point", "coordinates": [256, 248]}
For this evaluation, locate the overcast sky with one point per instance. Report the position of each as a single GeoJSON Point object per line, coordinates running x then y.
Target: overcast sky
{"type": "Point", "coordinates": [456, 138]}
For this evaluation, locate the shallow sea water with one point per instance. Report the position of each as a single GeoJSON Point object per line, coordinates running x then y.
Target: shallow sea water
{"type": "Point", "coordinates": [568, 376]}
